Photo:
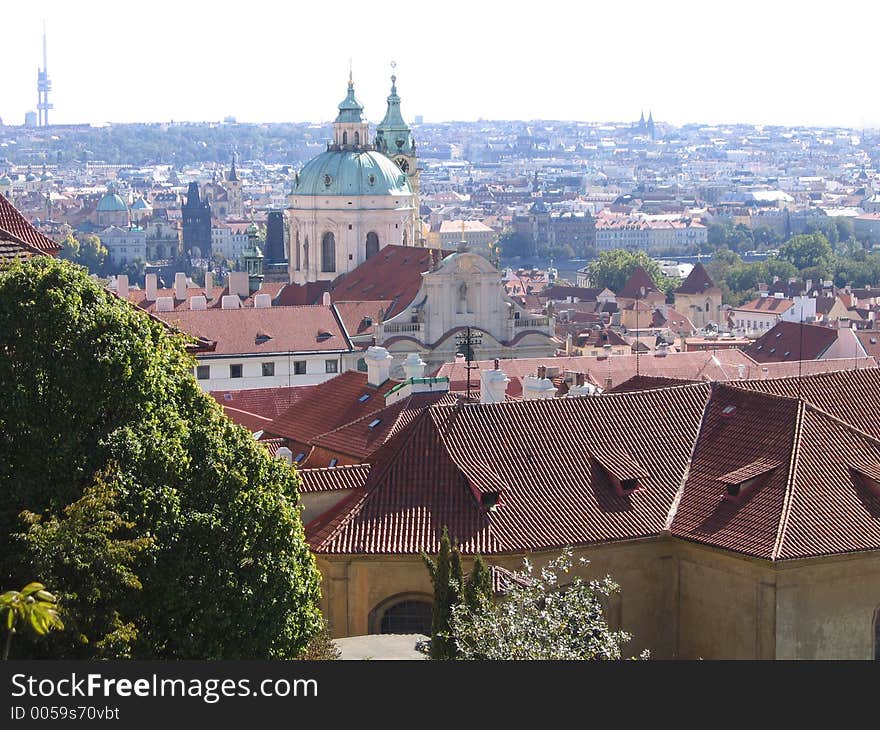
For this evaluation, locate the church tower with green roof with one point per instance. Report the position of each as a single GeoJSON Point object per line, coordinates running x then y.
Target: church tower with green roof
{"type": "Point", "coordinates": [394, 139]}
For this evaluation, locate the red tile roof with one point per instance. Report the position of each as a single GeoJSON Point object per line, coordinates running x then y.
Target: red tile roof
{"type": "Point", "coordinates": [394, 274]}
{"type": "Point", "coordinates": [792, 341]}
{"type": "Point", "coordinates": [719, 365]}
{"type": "Point", "coordinates": [334, 478]}
{"type": "Point", "coordinates": [271, 330]}
{"type": "Point", "coordinates": [265, 402]}
{"type": "Point", "coordinates": [639, 279]}
{"type": "Point", "coordinates": [138, 297]}
{"type": "Point", "coordinates": [15, 227]}
{"type": "Point", "coordinates": [434, 473]}
{"type": "Point", "coordinates": [697, 282]}
{"type": "Point", "coordinates": [765, 305]}
{"type": "Point", "coordinates": [360, 318]}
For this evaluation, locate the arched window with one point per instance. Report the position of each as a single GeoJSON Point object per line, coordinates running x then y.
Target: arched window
{"type": "Point", "coordinates": [345, 138]}
{"type": "Point", "coordinates": [328, 252]}
{"type": "Point", "coordinates": [407, 617]}
{"type": "Point", "coordinates": [357, 138]}
{"type": "Point", "coordinates": [361, 365]}
{"type": "Point", "coordinates": [372, 244]}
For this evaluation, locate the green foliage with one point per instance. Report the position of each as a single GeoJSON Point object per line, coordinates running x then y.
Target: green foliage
{"type": "Point", "coordinates": [32, 606]}
{"type": "Point", "coordinates": [478, 586]}
{"type": "Point", "coordinates": [321, 648]}
{"type": "Point", "coordinates": [136, 472]}
{"type": "Point", "coordinates": [89, 549]}
{"type": "Point", "coordinates": [541, 619]}
{"type": "Point", "coordinates": [446, 579]}
{"type": "Point", "coordinates": [89, 252]}
{"type": "Point", "coordinates": [611, 269]}
{"type": "Point", "coordinates": [808, 250]}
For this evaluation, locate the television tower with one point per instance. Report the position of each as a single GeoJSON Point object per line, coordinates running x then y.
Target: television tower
{"type": "Point", "coordinates": [44, 86]}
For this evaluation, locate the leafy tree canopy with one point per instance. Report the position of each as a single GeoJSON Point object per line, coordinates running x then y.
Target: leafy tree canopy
{"type": "Point", "coordinates": [540, 618]}
{"type": "Point", "coordinates": [167, 530]}
{"type": "Point", "coordinates": [611, 269]}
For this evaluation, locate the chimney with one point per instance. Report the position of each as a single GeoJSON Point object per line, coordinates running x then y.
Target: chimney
{"type": "Point", "coordinates": [122, 285]}
{"type": "Point", "coordinates": [262, 301]}
{"type": "Point", "coordinates": [165, 304]}
{"type": "Point", "coordinates": [325, 299]}
{"type": "Point", "coordinates": [209, 285]}
{"type": "Point", "coordinates": [537, 388]}
{"type": "Point", "coordinates": [378, 365]}
{"type": "Point", "coordinates": [285, 454]}
{"type": "Point", "coordinates": [413, 366]}
{"type": "Point", "coordinates": [198, 302]}
{"type": "Point", "coordinates": [180, 285]}
{"type": "Point", "coordinates": [151, 286]}
{"type": "Point", "coordinates": [230, 301]}
{"type": "Point", "coordinates": [239, 284]}
{"type": "Point", "coordinates": [493, 386]}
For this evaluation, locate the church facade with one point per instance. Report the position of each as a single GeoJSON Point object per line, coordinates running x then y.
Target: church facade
{"type": "Point", "coordinates": [353, 199]}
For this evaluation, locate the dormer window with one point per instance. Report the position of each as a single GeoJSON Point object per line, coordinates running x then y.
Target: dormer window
{"type": "Point", "coordinates": [624, 473]}
{"type": "Point", "coordinates": [490, 500]}
{"type": "Point", "coordinates": [741, 482]}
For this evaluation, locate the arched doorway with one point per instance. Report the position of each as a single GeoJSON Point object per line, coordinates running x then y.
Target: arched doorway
{"type": "Point", "coordinates": [406, 613]}
{"type": "Point", "coordinates": [372, 244]}
{"type": "Point", "coordinates": [328, 252]}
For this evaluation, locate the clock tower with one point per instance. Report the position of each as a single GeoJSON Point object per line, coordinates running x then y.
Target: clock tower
{"type": "Point", "coordinates": [394, 139]}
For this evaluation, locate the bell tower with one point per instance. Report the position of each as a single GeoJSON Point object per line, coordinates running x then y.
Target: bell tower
{"type": "Point", "coordinates": [394, 139]}
{"type": "Point", "coordinates": [350, 129]}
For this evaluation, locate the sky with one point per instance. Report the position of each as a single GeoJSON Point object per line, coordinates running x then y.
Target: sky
{"type": "Point", "coordinates": [767, 62]}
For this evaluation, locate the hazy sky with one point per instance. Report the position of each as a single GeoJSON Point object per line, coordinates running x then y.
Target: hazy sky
{"type": "Point", "coordinates": [765, 62]}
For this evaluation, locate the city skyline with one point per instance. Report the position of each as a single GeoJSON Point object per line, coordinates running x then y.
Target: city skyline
{"type": "Point", "coordinates": [747, 63]}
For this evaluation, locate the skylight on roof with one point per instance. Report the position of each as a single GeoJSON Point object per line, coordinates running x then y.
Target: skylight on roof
{"type": "Point", "coordinates": [364, 398]}
{"type": "Point", "coordinates": [334, 462]}
{"type": "Point", "coordinates": [375, 422]}
{"type": "Point", "coordinates": [299, 458]}
{"type": "Point", "coordinates": [778, 335]}
{"type": "Point", "coordinates": [728, 410]}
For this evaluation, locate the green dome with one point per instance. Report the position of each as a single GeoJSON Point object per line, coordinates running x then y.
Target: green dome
{"type": "Point", "coordinates": [351, 173]}
{"type": "Point", "coordinates": [112, 203]}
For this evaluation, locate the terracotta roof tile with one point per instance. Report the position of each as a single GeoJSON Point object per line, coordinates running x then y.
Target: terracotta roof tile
{"type": "Point", "coordinates": [697, 282]}
{"type": "Point", "coordinates": [792, 341]}
{"type": "Point", "coordinates": [334, 478]}
{"type": "Point", "coordinates": [272, 330]}
{"type": "Point", "coordinates": [13, 225]}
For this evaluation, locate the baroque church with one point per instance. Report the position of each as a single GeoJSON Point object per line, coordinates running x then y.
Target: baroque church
{"type": "Point", "coordinates": [356, 197]}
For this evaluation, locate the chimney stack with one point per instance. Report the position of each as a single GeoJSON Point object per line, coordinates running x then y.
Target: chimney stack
{"type": "Point", "coordinates": [378, 365]}
{"type": "Point", "coordinates": [239, 284]}
{"type": "Point", "coordinates": [413, 366]}
{"type": "Point", "coordinates": [537, 388]}
{"type": "Point", "coordinates": [122, 285]}
{"type": "Point", "coordinates": [151, 287]}
{"type": "Point", "coordinates": [209, 285]}
{"type": "Point", "coordinates": [180, 285]}
{"type": "Point", "coordinates": [493, 386]}
{"type": "Point", "coordinates": [325, 299]}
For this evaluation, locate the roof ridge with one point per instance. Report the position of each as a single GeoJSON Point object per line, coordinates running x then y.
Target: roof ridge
{"type": "Point", "coordinates": [676, 500]}
{"type": "Point", "coordinates": [790, 481]}
{"type": "Point", "coordinates": [340, 466]}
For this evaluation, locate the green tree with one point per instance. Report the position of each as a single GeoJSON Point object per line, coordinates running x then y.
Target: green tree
{"type": "Point", "coordinates": [478, 586]}
{"type": "Point", "coordinates": [513, 244]}
{"type": "Point", "coordinates": [135, 269]}
{"type": "Point", "coordinates": [808, 250]}
{"type": "Point", "coordinates": [95, 391]}
{"type": "Point", "coordinates": [32, 606]}
{"type": "Point", "coordinates": [611, 269]}
{"type": "Point", "coordinates": [89, 252]}
{"type": "Point", "coordinates": [445, 571]}
{"type": "Point", "coordinates": [539, 618]}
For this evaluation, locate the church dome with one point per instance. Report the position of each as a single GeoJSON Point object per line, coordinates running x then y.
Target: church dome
{"type": "Point", "coordinates": [112, 203]}
{"type": "Point", "coordinates": [351, 173]}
